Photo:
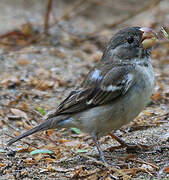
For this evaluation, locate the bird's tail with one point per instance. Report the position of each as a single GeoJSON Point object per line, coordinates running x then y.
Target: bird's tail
{"type": "Point", "coordinates": [50, 123]}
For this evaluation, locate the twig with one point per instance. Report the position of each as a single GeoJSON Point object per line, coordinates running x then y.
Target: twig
{"type": "Point", "coordinates": [144, 162]}
{"type": "Point", "coordinates": [161, 171]}
{"type": "Point", "coordinates": [110, 168]}
{"type": "Point", "coordinates": [136, 170]}
{"type": "Point", "coordinates": [96, 171]}
{"type": "Point", "coordinates": [67, 14]}
{"type": "Point", "coordinates": [152, 4]}
{"type": "Point", "coordinates": [77, 8]}
{"type": "Point", "coordinates": [14, 32]}
{"type": "Point", "coordinates": [47, 15]}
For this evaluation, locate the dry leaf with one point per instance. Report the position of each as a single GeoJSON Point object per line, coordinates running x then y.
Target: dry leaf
{"type": "Point", "coordinates": [166, 170]}
{"type": "Point", "coordinates": [19, 113]}
{"type": "Point", "coordinates": [19, 123]}
{"type": "Point", "coordinates": [38, 157]}
{"type": "Point", "coordinates": [57, 52]}
{"type": "Point", "coordinates": [157, 96]}
{"type": "Point", "coordinates": [2, 113]}
{"type": "Point", "coordinates": [108, 178]}
{"type": "Point", "coordinates": [24, 106]}
{"type": "Point", "coordinates": [49, 159]}
{"type": "Point", "coordinates": [17, 133]}
{"type": "Point", "coordinates": [29, 161]}
{"type": "Point", "coordinates": [96, 56]}
{"type": "Point", "coordinates": [49, 132]}
{"type": "Point", "coordinates": [27, 127]}
{"type": "Point", "coordinates": [6, 80]}
{"type": "Point", "coordinates": [27, 29]}
{"type": "Point", "coordinates": [23, 62]}
{"type": "Point", "coordinates": [74, 143]}
{"type": "Point", "coordinates": [41, 84]}
{"type": "Point", "coordinates": [22, 149]}
{"type": "Point", "coordinates": [64, 140]}
{"type": "Point", "coordinates": [77, 172]}
{"type": "Point", "coordinates": [24, 172]}
{"type": "Point", "coordinates": [2, 165]}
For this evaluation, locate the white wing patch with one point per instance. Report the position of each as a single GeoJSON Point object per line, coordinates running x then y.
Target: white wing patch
{"type": "Point", "coordinates": [96, 75]}
{"type": "Point", "coordinates": [111, 88]}
{"type": "Point", "coordinates": [130, 77]}
{"type": "Point", "coordinates": [89, 102]}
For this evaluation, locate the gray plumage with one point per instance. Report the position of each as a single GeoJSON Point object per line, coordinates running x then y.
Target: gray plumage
{"type": "Point", "coordinates": [115, 91]}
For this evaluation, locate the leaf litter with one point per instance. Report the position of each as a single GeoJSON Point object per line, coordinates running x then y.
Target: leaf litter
{"type": "Point", "coordinates": [43, 69]}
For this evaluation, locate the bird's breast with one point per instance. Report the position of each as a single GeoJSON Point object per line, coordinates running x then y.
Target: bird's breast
{"type": "Point", "coordinates": [101, 120]}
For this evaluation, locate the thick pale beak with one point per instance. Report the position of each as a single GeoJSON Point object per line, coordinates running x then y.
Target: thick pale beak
{"type": "Point", "coordinates": [149, 38]}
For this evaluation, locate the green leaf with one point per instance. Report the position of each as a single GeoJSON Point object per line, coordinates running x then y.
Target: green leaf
{"type": "Point", "coordinates": [41, 151]}
{"type": "Point", "coordinates": [82, 150]}
{"type": "Point", "coordinates": [76, 130]}
{"type": "Point", "coordinates": [41, 110]}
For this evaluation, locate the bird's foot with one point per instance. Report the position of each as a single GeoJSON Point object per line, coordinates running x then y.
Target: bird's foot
{"type": "Point", "coordinates": [95, 139]}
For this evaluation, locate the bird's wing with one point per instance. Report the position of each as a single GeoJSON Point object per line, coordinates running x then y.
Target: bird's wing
{"type": "Point", "coordinates": [116, 82]}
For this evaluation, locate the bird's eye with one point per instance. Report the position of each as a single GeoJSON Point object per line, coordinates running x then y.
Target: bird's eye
{"type": "Point", "coordinates": [130, 40]}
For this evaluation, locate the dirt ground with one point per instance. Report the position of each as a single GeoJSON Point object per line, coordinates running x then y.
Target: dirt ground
{"type": "Point", "coordinates": [38, 71]}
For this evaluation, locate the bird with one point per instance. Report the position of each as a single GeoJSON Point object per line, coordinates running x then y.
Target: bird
{"type": "Point", "coordinates": [113, 93]}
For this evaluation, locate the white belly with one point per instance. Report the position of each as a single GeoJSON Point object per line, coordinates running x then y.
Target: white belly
{"type": "Point", "coordinates": [103, 119]}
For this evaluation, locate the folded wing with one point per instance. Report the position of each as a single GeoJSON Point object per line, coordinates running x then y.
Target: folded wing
{"type": "Point", "coordinates": [105, 89]}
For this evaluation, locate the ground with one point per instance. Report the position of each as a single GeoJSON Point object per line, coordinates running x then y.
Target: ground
{"type": "Point", "coordinates": [38, 71]}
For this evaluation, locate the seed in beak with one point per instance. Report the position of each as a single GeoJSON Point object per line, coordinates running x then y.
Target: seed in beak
{"type": "Point", "coordinates": [149, 38]}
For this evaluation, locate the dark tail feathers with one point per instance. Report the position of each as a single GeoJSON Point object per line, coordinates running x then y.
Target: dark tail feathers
{"type": "Point", "coordinates": [43, 126]}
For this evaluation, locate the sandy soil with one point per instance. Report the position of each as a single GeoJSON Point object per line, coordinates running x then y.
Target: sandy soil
{"type": "Point", "coordinates": [41, 75]}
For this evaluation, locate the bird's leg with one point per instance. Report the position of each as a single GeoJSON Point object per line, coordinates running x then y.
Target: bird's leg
{"type": "Point", "coordinates": [122, 143]}
{"type": "Point", "coordinates": [95, 139]}
{"type": "Point", "coordinates": [130, 147]}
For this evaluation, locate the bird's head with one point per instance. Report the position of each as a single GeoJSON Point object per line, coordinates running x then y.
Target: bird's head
{"type": "Point", "coordinates": [130, 43]}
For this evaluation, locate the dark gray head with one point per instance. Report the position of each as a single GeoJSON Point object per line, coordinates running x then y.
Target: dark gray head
{"type": "Point", "coordinates": [130, 42]}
